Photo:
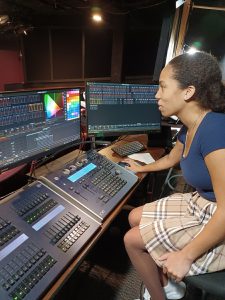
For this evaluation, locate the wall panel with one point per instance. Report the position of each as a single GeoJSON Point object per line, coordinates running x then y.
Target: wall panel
{"type": "Point", "coordinates": [98, 52]}
{"type": "Point", "coordinates": [37, 55]}
{"type": "Point", "coordinates": [66, 53]}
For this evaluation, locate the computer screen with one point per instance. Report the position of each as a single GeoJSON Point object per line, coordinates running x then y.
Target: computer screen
{"type": "Point", "coordinates": [36, 123]}
{"type": "Point", "coordinates": [116, 108]}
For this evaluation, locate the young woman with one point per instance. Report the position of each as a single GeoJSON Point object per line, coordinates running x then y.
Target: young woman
{"type": "Point", "coordinates": [184, 234]}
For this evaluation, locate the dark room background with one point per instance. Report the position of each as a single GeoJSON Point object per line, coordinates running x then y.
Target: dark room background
{"type": "Point", "coordinates": [69, 50]}
{"type": "Point", "coordinates": [66, 48]}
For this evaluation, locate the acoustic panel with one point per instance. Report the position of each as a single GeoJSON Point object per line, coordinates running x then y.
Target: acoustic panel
{"type": "Point", "coordinates": [37, 55]}
{"type": "Point", "coordinates": [66, 53]}
{"type": "Point", "coordinates": [98, 52]}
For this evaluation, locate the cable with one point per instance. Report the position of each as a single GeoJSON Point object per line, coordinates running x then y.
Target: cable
{"type": "Point", "coordinates": [31, 171]}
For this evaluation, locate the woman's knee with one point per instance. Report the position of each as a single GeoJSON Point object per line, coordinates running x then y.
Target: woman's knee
{"type": "Point", "coordinates": [133, 239]}
{"type": "Point", "coordinates": [134, 217]}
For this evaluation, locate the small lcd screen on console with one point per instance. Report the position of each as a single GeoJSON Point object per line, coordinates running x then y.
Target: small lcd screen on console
{"type": "Point", "coordinates": [36, 123]}
{"type": "Point", "coordinates": [114, 108]}
{"type": "Point", "coordinates": [85, 170]}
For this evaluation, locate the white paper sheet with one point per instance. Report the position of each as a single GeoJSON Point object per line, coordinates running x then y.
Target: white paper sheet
{"type": "Point", "coordinates": [143, 157]}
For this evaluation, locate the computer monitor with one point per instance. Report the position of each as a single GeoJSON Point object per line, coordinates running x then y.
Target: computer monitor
{"type": "Point", "coordinates": [37, 123]}
{"type": "Point", "coordinates": [120, 109]}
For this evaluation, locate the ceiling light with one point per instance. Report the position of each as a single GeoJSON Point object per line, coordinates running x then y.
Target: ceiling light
{"type": "Point", "coordinates": [192, 50]}
{"type": "Point", "coordinates": [97, 17]}
{"type": "Point", "coordinates": [96, 14]}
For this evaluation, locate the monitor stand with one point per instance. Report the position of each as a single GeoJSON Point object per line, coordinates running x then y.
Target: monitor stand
{"type": "Point", "coordinates": [94, 142]}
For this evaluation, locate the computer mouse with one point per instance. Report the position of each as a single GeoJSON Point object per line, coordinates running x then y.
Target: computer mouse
{"type": "Point", "coordinates": [123, 164]}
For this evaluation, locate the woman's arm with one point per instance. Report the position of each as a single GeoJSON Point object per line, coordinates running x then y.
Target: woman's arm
{"type": "Point", "coordinates": [163, 163]}
{"type": "Point", "coordinates": [177, 264]}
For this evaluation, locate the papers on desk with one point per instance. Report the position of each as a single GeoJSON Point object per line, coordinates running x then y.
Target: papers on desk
{"type": "Point", "coordinates": [143, 157]}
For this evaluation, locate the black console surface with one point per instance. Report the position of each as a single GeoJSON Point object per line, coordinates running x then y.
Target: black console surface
{"type": "Point", "coordinates": [93, 182]}
{"type": "Point", "coordinates": [40, 234]}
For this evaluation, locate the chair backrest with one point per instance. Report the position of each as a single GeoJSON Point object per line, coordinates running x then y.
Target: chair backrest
{"type": "Point", "coordinates": [210, 283]}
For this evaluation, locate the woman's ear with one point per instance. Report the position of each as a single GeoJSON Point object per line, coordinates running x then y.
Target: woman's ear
{"type": "Point", "coordinates": [189, 93]}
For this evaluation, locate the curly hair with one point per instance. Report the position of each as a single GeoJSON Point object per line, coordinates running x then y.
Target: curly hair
{"type": "Point", "coordinates": [203, 72]}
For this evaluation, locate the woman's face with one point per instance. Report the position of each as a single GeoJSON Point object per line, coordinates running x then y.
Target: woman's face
{"type": "Point", "coordinates": [169, 96]}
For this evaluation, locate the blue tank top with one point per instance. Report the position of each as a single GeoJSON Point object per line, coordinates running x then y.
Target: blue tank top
{"type": "Point", "coordinates": [210, 136]}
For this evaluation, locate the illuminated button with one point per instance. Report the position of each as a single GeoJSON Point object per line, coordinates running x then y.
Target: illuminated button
{"type": "Point", "coordinates": [15, 297]}
{"type": "Point", "coordinates": [56, 178]}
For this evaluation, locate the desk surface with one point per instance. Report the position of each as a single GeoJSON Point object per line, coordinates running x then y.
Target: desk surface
{"type": "Point", "coordinates": [155, 152]}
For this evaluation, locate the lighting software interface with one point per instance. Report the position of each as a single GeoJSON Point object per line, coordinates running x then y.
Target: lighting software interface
{"type": "Point", "coordinates": [33, 123]}
{"type": "Point", "coordinates": [124, 108]}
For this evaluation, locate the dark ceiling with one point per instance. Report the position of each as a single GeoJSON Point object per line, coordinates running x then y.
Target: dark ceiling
{"type": "Point", "coordinates": [14, 13]}
{"type": "Point", "coordinates": [54, 7]}
{"type": "Point", "coordinates": [17, 13]}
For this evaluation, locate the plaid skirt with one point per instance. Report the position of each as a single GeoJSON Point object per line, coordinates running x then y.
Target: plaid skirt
{"type": "Point", "coordinates": [172, 222]}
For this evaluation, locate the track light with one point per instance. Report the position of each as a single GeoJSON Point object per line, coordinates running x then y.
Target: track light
{"type": "Point", "coordinates": [96, 14]}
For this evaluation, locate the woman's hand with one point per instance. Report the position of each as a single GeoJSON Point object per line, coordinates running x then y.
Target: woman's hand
{"type": "Point", "coordinates": [175, 264]}
{"type": "Point", "coordinates": [134, 166]}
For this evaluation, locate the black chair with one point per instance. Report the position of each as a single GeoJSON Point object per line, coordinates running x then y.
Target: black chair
{"type": "Point", "coordinates": [210, 284]}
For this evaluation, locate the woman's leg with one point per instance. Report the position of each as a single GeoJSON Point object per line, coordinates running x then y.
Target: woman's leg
{"type": "Point", "coordinates": [143, 263]}
{"type": "Point", "coordinates": [134, 217]}
{"type": "Point", "coordinates": [167, 208]}
{"type": "Point", "coordinates": [134, 220]}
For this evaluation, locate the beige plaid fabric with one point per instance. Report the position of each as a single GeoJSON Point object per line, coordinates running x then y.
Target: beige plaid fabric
{"type": "Point", "coordinates": [172, 222]}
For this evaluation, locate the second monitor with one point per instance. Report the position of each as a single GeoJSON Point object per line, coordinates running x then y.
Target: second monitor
{"type": "Point", "coordinates": [120, 109]}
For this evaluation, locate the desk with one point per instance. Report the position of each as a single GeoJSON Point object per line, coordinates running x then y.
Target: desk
{"type": "Point", "coordinates": [59, 163]}
{"type": "Point", "coordinates": [155, 152]}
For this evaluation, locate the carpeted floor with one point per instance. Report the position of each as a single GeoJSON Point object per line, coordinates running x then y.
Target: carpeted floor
{"type": "Point", "coordinates": [106, 273]}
